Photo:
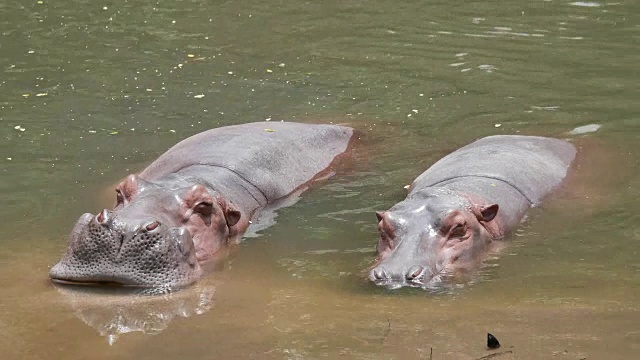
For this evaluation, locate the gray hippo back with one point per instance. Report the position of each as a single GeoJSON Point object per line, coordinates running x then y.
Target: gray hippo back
{"type": "Point", "coordinates": [275, 157]}
{"type": "Point", "coordinates": [533, 165]}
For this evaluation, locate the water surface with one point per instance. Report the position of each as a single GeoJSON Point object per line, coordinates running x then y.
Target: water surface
{"type": "Point", "coordinates": [91, 91]}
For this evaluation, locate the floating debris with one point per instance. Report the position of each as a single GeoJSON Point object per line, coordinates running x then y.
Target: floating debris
{"type": "Point", "coordinates": [497, 125]}
{"type": "Point", "coordinates": [492, 341]}
{"type": "Point", "coordinates": [19, 128]}
{"type": "Point", "coordinates": [586, 4]}
{"type": "Point", "coordinates": [580, 130]}
{"type": "Point", "coordinates": [199, 96]}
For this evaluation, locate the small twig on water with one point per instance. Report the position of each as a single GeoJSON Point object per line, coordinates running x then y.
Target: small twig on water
{"type": "Point", "coordinates": [490, 356]}
{"type": "Point", "coordinates": [431, 354]}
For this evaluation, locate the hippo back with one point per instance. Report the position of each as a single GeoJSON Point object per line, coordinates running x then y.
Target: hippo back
{"type": "Point", "coordinates": [532, 165]}
{"type": "Point", "coordinates": [275, 157]}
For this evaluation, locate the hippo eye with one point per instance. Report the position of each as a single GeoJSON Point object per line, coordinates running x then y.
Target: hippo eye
{"type": "Point", "coordinates": [458, 231]}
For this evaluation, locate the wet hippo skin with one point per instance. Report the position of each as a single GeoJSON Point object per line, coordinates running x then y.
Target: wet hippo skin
{"type": "Point", "coordinates": [195, 199]}
{"type": "Point", "coordinates": [455, 210]}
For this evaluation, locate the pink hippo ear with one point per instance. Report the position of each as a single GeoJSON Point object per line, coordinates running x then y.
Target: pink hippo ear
{"type": "Point", "coordinates": [380, 215]}
{"type": "Point", "coordinates": [487, 213]}
{"type": "Point", "coordinates": [231, 213]}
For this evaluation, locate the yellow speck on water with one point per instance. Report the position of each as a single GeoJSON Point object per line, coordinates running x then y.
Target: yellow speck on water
{"type": "Point", "coordinates": [42, 94]}
{"type": "Point", "coordinates": [269, 130]}
{"type": "Point", "coordinates": [407, 187]}
{"type": "Point", "coordinates": [200, 96]}
{"type": "Point", "coordinates": [26, 95]}
{"type": "Point", "coordinates": [40, 2]}
{"type": "Point", "coordinates": [113, 133]}
{"type": "Point", "coordinates": [269, 71]}
{"type": "Point", "coordinates": [190, 55]}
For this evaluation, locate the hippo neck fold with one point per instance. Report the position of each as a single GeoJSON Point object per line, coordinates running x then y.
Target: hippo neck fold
{"type": "Point", "coordinates": [497, 178]}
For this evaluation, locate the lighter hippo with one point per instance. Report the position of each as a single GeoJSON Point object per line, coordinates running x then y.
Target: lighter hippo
{"type": "Point", "coordinates": [195, 199]}
{"type": "Point", "coordinates": [455, 210]}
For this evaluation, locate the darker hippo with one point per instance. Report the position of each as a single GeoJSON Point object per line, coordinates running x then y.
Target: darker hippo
{"type": "Point", "coordinates": [457, 208]}
{"type": "Point", "coordinates": [195, 199]}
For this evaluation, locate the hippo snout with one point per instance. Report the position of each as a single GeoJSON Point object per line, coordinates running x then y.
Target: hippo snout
{"type": "Point", "coordinates": [139, 251]}
{"type": "Point", "coordinates": [415, 276]}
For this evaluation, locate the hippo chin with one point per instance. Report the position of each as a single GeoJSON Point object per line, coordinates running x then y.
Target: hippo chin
{"type": "Point", "coordinates": [194, 200]}
{"type": "Point", "coordinates": [455, 210]}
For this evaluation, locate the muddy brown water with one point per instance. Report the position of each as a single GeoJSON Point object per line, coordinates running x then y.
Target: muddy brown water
{"type": "Point", "coordinates": [91, 91]}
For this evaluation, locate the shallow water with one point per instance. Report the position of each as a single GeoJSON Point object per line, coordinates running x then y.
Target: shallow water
{"type": "Point", "coordinates": [91, 91]}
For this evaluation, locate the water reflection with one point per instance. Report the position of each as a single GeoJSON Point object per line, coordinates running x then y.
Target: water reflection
{"type": "Point", "coordinates": [113, 311]}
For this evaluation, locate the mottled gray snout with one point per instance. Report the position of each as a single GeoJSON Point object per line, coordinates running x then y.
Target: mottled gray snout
{"type": "Point", "coordinates": [130, 250]}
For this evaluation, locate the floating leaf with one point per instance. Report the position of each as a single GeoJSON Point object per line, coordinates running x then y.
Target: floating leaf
{"type": "Point", "coordinates": [269, 70]}
{"type": "Point", "coordinates": [42, 94]}
{"type": "Point", "coordinates": [190, 55]}
{"type": "Point", "coordinates": [26, 95]}
{"type": "Point", "coordinates": [113, 133]}
{"type": "Point", "coordinates": [199, 96]}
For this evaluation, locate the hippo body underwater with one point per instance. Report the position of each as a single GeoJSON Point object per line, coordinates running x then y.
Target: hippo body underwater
{"type": "Point", "coordinates": [193, 200]}
{"type": "Point", "coordinates": [455, 210]}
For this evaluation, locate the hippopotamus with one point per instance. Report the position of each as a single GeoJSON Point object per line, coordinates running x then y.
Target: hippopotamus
{"type": "Point", "coordinates": [456, 210]}
{"type": "Point", "coordinates": [194, 200]}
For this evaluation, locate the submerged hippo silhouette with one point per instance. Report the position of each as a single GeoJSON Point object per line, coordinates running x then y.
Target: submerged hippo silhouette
{"type": "Point", "coordinates": [194, 200]}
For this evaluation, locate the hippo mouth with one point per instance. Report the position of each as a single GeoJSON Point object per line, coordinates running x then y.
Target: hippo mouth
{"type": "Point", "coordinates": [101, 253]}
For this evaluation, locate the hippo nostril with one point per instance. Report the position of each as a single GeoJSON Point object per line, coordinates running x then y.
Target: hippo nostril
{"type": "Point", "coordinates": [414, 272]}
{"type": "Point", "coordinates": [103, 217]}
{"type": "Point", "coordinates": [152, 226]}
{"type": "Point", "coordinates": [380, 274]}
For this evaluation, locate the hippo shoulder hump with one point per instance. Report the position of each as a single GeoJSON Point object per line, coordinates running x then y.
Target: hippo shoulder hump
{"type": "Point", "coordinates": [532, 164]}
{"type": "Point", "coordinates": [276, 157]}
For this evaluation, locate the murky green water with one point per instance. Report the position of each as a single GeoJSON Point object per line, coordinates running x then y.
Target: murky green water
{"type": "Point", "coordinates": [91, 91]}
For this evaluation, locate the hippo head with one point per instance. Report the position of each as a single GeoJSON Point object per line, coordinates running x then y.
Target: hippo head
{"type": "Point", "coordinates": [154, 236]}
{"type": "Point", "coordinates": [433, 235]}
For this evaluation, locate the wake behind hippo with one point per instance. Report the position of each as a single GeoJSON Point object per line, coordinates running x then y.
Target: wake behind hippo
{"type": "Point", "coordinates": [195, 199]}
{"type": "Point", "coordinates": [455, 210]}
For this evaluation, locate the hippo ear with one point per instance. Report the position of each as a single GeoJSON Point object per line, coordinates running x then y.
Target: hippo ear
{"type": "Point", "coordinates": [487, 212]}
{"type": "Point", "coordinates": [231, 213]}
{"type": "Point", "coordinates": [380, 215]}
